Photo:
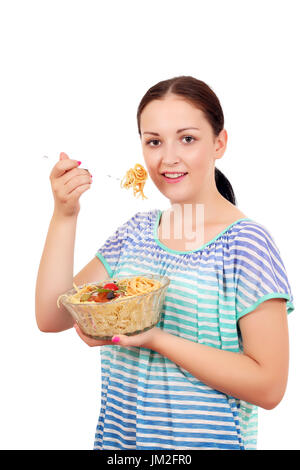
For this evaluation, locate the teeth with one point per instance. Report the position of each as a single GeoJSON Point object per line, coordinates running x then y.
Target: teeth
{"type": "Point", "coordinates": [173, 175]}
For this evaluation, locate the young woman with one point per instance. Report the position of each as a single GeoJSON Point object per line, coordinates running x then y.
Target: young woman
{"type": "Point", "coordinates": [220, 350]}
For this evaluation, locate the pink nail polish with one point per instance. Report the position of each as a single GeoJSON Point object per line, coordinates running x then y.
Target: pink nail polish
{"type": "Point", "coordinates": [116, 339]}
{"type": "Point", "coordinates": [79, 163]}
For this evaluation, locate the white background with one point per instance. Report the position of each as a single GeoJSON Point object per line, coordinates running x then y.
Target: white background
{"type": "Point", "coordinates": [72, 76]}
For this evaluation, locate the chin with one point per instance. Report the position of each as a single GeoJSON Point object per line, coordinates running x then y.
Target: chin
{"type": "Point", "coordinates": [179, 199]}
{"type": "Point", "coordinates": [173, 194]}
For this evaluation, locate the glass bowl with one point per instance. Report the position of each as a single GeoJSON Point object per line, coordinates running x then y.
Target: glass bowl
{"type": "Point", "coordinates": [127, 316]}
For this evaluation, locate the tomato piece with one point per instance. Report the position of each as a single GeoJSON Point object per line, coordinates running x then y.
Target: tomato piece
{"type": "Point", "coordinates": [100, 297]}
{"type": "Point", "coordinates": [111, 286]}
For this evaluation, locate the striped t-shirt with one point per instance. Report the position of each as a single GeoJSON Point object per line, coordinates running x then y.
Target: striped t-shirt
{"type": "Point", "coordinates": [148, 401]}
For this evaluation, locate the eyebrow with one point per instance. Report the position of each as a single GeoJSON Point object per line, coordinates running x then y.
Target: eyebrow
{"type": "Point", "coordinates": [179, 130]}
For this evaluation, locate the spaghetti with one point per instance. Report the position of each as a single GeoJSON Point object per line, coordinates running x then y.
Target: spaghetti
{"type": "Point", "coordinates": [129, 313]}
{"type": "Point", "coordinates": [135, 178]}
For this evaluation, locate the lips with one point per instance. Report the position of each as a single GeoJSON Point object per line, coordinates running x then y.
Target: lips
{"type": "Point", "coordinates": [174, 180]}
{"type": "Point", "coordinates": [173, 172]}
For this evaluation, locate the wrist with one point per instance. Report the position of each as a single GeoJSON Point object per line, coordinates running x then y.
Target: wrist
{"type": "Point", "coordinates": [58, 216]}
{"type": "Point", "coordinates": [157, 338]}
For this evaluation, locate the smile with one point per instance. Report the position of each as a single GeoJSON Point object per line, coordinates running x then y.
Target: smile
{"type": "Point", "coordinates": [175, 178]}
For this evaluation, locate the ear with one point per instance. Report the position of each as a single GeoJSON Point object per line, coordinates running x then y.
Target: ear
{"type": "Point", "coordinates": [220, 144]}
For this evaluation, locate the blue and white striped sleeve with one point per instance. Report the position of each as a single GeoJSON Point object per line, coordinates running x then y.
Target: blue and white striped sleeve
{"type": "Point", "coordinates": [109, 253]}
{"type": "Point", "coordinates": [259, 270]}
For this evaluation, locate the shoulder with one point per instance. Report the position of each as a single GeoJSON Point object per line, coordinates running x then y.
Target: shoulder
{"type": "Point", "coordinates": [254, 243]}
{"type": "Point", "coordinates": [258, 267]}
{"type": "Point", "coordinates": [141, 220]}
{"type": "Point", "coordinates": [146, 217]}
{"type": "Point", "coordinates": [250, 230]}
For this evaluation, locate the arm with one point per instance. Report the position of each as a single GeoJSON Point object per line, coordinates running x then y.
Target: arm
{"type": "Point", "coordinates": [55, 274]}
{"type": "Point", "coordinates": [258, 375]}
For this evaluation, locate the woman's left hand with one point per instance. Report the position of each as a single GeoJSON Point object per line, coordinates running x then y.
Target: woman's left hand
{"type": "Point", "coordinates": [141, 340]}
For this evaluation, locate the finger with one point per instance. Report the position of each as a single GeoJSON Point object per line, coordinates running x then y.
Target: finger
{"type": "Point", "coordinates": [79, 332]}
{"type": "Point", "coordinates": [63, 156]}
{"type": "Point", "coordinates": [85, 338]}
{"type": "Point", "coordinates": [122, 340]}
{"type": "Point", "coordinates": [77, 175]}
{"type": "Point", "coordinates": [89, 341]}
{"type": "Point", "coordinates": [74, 194]}
{"type": "Point", "coordinates": [64, 164]}
{"type": "Point", "coordinates": [72, 180]}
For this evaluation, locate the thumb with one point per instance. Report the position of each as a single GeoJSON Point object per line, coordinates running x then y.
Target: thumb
{"type": "Point", "coordinates": [63, 156]}
{"type": "Point", "coordinates": [121, 340]}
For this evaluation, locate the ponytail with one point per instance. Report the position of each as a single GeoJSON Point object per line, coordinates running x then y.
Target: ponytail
{"type": "Point", "coordinates": [224, 187]}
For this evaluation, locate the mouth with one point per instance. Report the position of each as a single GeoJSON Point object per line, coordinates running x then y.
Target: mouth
{"type": "Point", "coordinates": [174, 177]}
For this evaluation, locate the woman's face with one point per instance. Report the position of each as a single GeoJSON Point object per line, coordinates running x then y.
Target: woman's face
{"type": "Point", "coordinates": [167, 147]}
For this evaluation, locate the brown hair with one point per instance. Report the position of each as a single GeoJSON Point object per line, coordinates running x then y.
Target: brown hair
{"type": "Point", "coordinates": [202, 96]}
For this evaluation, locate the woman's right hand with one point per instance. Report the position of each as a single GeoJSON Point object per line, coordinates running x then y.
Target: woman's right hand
{"type": "Point", "coordinates": [68, 182]}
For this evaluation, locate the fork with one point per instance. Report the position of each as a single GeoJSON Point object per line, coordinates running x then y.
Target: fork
{"type": "Point", "coordinates": [109, 176]}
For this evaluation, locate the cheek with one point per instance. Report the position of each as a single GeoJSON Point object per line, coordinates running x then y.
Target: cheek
{"type": "Point", "coordinates": [200, 160]}
{"type": "Point", "coordinates": [153, 171]}
{"type": "Point", "coordinates": [153, 174]}
{"type": "Point", "coordinates": [150, 165]}
{"type": "Point", "coordinates": [199, 165]}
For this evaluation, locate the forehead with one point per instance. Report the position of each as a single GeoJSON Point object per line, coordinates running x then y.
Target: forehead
{"type": "Point", "coordinates": [171, 114]}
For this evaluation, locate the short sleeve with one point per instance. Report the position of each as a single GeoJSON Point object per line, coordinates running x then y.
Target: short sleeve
{"type": "Point", "coordinates": [109, 253]}
{"type": "Point", "coordinates": [259, 271]}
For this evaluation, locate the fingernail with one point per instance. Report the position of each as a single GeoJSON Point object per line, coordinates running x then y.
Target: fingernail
{"type": "Point", "coordinates": [79, 163]}
{"type": "Point", "coordinates": [116, 339]}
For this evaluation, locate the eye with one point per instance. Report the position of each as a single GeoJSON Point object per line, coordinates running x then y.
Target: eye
{"type": "Point", "coordinates": [152, 140]}
{"type": "Point", "coordinates": [188, 137]}
{"type": "Point", "coordinates": [156, 140]}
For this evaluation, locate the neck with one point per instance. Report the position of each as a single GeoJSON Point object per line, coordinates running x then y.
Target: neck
{"type": "Point", "coordinates": [205, 209]}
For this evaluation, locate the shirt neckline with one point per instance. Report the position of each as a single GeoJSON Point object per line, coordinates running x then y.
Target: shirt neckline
{"type": "Point", "coordinates": [170, 250]}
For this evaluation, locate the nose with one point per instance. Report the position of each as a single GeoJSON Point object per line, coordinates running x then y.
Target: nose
{"type": "Point", "coordinates": [169, 155]}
